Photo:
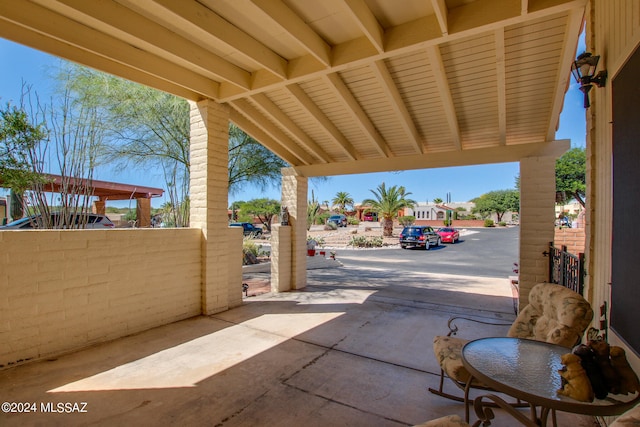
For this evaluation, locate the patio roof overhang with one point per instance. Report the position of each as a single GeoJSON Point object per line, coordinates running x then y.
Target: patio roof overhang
{"type": "Point", "coordinates": [338, 86]}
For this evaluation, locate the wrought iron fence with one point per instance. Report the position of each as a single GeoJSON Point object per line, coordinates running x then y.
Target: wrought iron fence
{"type": "Point", "coordinates": [566, 269]}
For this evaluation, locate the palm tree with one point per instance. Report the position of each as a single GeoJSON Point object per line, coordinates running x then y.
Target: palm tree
{"type": "Point", "coordinates": [437, 200]}
{"type": "Point", "coordinates": [342, 200]}
{"type": "Point", "coordinates": [387, 203]}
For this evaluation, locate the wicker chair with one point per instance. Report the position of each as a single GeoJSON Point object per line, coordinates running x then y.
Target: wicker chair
{"type": "Point", "coordinates": [554, 314]}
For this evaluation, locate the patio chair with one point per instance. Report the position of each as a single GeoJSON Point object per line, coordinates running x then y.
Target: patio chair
{"type": "Point", "coordinates": [555, 314]}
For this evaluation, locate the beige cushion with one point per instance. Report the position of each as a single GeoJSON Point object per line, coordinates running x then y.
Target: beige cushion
{"type": "Point", "coordinates": [448, 351]}
{"type": "Point", "coordinates": [448, 421]}
{"type": "Point", "coordinates": [554, 314]}
{"type": "Point", "coordinates": [631, 418]}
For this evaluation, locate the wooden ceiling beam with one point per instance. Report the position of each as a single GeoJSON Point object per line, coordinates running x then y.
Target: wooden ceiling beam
{"type": "Point", "coordinates": [468, 20]}
{"type": "Point", "coordinates": [322, 120]}
{"type": "Point", "coordinates": [366, 20]}
{"type": "Point", "coordinates": [393, 94]}
{"type": "Point", "coordinates": [271, 110]}
{"type": "Point", "coordinates": [572, 33]}
{"type": "Point", "coordinates": [254, 115]}
{"type": "Point", "coordinates": [81, 36]}
{"type": "Point", "coordinates": [28, 37]}
{"type": "Point", "coordinates": [139, 31]}
{"type": "Point", "coordinates": [251, 129]}
{"type": "Point", "coordinates": [219, 28]}
{"type": "Point", "coordinates": [440, 75]}
{"type": "Point", "coordinates": [351, 105]}
{"type": "Point", "coordinates": [478, 156]}
{"type": "Point", "coordinates": [442, 14]}
{"type": "Point", "coordinates": [293, 24]}
{"type": "Point", "coordinates": [502, 85]}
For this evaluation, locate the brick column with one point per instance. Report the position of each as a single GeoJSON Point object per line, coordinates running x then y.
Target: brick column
{"type": "Point", "coordinates": [294, 197]}
{"type": "Point", "coordinates": [537, 214]}
{"type": "Point", "coordinates": [208, 203]}
{"type": "Point", "coordinates": [280, 258]}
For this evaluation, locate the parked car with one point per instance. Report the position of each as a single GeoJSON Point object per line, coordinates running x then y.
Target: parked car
{"type": "Point", "coordinates": [90, 221]}
{"type": "Point", "coordinates": [248, 228]}
{"type": "Point", "coordinates": [419, 236]}
{"type": "Point", "coordinates": [448, 234]}
{"type": "Point", "coordinates": [370, 216]}
{"type": "Point", "coordinates": [339, 220]}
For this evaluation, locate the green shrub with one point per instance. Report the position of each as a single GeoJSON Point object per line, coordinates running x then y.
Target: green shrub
{"type": "Point", "coordinates": [331, 226]}
{"type": "Point", "coordinates": [248, 246]}
{"type": "Point", "coordinates": [502, 224]}
{"type": "Point", "coordinates": [489, 223]}
{"type": "Point", "coordinates": [406, 221]}
{"type": "Point", "coordinates": [366, 242]}
{"type": "Point", "coordinates": [322, 218]}
{"type": "Point", "coordinates": [447, 222]}
{"type": "Point", "coordinates": [352, 220]}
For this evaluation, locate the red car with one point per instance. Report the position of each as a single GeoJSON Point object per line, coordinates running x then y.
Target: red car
{"type": "Point", "coordinates": [448, 235]}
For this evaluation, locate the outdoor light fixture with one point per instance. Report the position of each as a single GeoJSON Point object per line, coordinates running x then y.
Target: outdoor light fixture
{"type": "Point", "coordinates": [584, 71]}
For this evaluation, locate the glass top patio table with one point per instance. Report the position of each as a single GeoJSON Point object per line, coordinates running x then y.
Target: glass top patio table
{"type": "Point", "coordinates": [528, 370]}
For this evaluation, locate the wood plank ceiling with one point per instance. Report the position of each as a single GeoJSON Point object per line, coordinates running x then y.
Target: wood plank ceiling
{"type": "Point", "coordinates": [338, 86]}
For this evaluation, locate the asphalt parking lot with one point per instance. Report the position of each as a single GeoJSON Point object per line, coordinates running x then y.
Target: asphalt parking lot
{"type": "Point", "coordinates": [484, 252]}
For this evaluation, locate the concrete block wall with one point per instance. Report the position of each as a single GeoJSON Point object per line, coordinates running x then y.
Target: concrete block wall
{"type": "Point", "coordinates": [64, 290]}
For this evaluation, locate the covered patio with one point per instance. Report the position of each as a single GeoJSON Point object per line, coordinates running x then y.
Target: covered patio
{"type": "Point", "coordinates": [352, 348]}
{"type": "Point", "coordinates": [335, 87]}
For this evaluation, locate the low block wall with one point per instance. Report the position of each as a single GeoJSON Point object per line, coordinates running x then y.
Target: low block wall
{"type": "Point", "coordinates": [63, 290]}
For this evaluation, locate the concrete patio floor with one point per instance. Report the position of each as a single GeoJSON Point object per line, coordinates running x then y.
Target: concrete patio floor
{"type": "Point", "coordinates": [352, 349]}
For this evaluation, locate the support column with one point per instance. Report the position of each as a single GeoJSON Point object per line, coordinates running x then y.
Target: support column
{"type": "Point", "coordinates": [280, 258]}
{"type": "Point", "coordinates": [294, 197]}
{"type": "Point", "coordinates": [98, 207]}
{"type": "Point", "coordinates": [143, 212]}
{"type": "Point", "coordinates": [208, 202]}
{"type": "Point", "coordinates": [537, 212]}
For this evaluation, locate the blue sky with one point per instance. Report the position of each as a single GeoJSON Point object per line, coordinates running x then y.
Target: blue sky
{"type": "Point", "coordinates": [464, 183]}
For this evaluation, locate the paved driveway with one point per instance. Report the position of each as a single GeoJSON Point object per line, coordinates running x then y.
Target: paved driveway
{"type": "Point", "coordinates": [485, 252]}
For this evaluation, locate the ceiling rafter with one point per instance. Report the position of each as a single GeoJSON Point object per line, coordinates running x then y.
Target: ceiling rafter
{"type": "Point", "coordinates": [299, 30]}
{"type": "Point", "coordinates": [216, 26]}
{"type": "Point", "coordinates": [63, 28]}
{"type": "Point", "coordinates": [19, 34]}
{"type": "Point", "coordinates": [442, 13]}
{"type": "Point", "coordinates": [265, 139]}
{"type": "Point", "coordinates": [501, 74]}
{"type": "Point", "coordinates": [405, 38]}
{"type": "Point", "coordinates": [272, 110]}
{"type": "Point", "coordinates": [322, 120]}
{"type": "Point", "coordinates": [440, 74]}
{"type": "Point", "coordinates": [153, 34]}
{"type": "Point", "coordinates": [524, 6]}
{"type": "Point", "coordinates": [477, 156]}
{"type": "Point", "coordinates": [367, 22]}
{"type": "Point", "coordinates": [253, 114]}
{"type": "Point", "coordinates": [572, 32]}
{"type": "Point", "coordinates": [393, 94]}
{"type": "Point", "coordinates": [351, 104]}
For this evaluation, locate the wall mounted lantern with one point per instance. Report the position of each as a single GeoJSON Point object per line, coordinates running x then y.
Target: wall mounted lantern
{"type": "Point", "coordinates": [584, 71]}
